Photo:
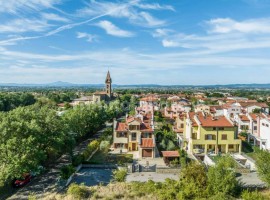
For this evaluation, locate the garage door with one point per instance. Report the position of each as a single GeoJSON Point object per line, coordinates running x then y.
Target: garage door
{"type": "Point", "coordinates": [147, 153]}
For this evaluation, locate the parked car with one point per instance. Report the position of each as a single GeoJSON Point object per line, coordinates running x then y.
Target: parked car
{"type": "Point", "coordinates": [26, 178]}
{"type": "Point", "coordinates": [198, 151]}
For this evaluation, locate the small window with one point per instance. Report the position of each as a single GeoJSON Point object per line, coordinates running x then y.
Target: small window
{"type": "Point", "coordinates": [263, 124]}
{"type": "Point", "coordinates": [255, 128]}
{"type": "Point", "coordinates": [214, 129]}
{"type": "Point", "coordinates": [230, 146]}
{"type": "Point", "coordinates": [224, 137]}
{"type": "Point", "coordinates": [221, 128]}
{"type": "Point", "coordinates": [266, 125]}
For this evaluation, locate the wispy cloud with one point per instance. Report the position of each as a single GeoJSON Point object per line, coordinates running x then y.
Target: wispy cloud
{"type": "Point", "coordinates": [87, 36]}
{"type": "Point", "coordinates": [22, 6]}
{"type": "Point", "coordinates": [227, 25]}
{"type": "Point", "coordinates": [221, 35]}
{"type": "Point", "coordinates": [111, 29]}
{"type": "Point", "coordinates": [24, 25]}
{"type": "Point", "coordinates": [131, 11]}
{"type": "Point", "coordinates": [54, 17]}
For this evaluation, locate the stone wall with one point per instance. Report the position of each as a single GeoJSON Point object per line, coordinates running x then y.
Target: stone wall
{"type": "Point", "coordinates": [167, 170]}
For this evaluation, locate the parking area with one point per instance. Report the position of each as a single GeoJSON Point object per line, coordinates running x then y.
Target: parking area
{"type": "Point", "coordinates": [93, 176]}
{"type": "Point", "coordinates": [251, 180]}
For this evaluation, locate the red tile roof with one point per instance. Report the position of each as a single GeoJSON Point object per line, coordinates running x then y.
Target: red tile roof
{"type": "Point", "coordinates": [170, 153]}
{"type": "Point", "coordinates": [244, 118]}
{"type": "Point", "coordinates": [121, 126]}
{"type": "Point", "coordinates": [209, 121]}
{"type": "Point", "coordinates": [147, 143]}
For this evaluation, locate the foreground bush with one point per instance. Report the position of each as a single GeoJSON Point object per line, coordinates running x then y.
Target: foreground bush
{"type": "Point", "coordinates": [247, 195]}
{"type": "Point", "coordinates": [78, 191]}
{"type": "Point", "coordinates": [119, 175]}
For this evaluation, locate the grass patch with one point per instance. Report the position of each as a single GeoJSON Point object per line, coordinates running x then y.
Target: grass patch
{"type": "Point", "coordinates": [103, 157]}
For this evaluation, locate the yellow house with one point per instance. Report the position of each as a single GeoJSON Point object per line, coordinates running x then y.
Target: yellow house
{"type": "Point", "coordinates": [207, 134]}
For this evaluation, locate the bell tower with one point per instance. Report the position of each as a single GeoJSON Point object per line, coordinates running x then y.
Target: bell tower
{"type": "Point", "coordinates": [108, 83]}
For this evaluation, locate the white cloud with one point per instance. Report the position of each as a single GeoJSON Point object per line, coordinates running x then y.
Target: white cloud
{"type": "Point", "coordinates": [170, 43]}
{"type": "Point", "coordinates": [130, 11]}
{"type": "Point", "coordinates": [111, 29]}
{"type": "Point", "coordinates": [227, 25]}
{"type": "Point", "coordinates": [21, 6]}
{"type": "Point", "coordinates": [154, 6]}
{"type": "Point", "coordinates": [24, 25]}
{"type": "Point", "coordinates": [54, 17]}
{"type": "Point", "coordinates": [146, 19]}
{"type": "Point", "coordinates": [89, 37]}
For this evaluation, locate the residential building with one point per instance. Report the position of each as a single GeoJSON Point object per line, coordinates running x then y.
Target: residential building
{"type": "Point", "coordinates": [204, 134]}
{"type": "Point", "coordinates": [176, 108]}
{"type": "Point", "coordinates": [135, 134]}
{"type": "Point", "coordinates": [243, 123]}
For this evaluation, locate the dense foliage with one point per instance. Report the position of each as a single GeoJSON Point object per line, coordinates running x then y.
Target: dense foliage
{"type": "Point", "coordinates": [35, 135]}
{"type": "Point", "coordinates": [10, 101]}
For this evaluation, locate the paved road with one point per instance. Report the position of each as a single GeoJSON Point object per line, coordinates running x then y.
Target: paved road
{"type": "Point", "coordinates": [47, 182]}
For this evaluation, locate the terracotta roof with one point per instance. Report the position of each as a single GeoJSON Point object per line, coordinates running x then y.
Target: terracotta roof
{"type": "Point", "coordinates": [248, 104]}
{"type": "Point", "coordinates": [150, 98]}
{"type": "Point", "coordinates": [191, 117]}
{"type": "Point", "coordinates": [121, 126]}
{"type": "Point", "coordinates": [209, 121]}
{"type": "Point", "coordinates": [253, 116]}
{"type": "Point", "coordinates": [100, 93]}
{"type": "Point", "coordinates": [170, 153]}
{"type": "Point", "coordinates": [131, 119]}
{"type": "Point", "coordinates": [147, 143]}
{"type": "Point", "coordinates": [244, 118]}
{"type": "Point", "coordinates": [145, 127]}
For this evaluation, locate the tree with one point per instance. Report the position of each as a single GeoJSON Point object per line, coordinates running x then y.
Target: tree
{"type": "Point", "coordinates": [193, 182]}
{"type": "Point", "coordinates": [222, 179]}
{"type": "Point", "coordinates": [263, 165]}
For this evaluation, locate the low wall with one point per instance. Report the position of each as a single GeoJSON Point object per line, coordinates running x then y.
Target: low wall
{"type": "Point", "coordinates": [99, 166]}
{"type": "Point", "coordinates": [71, 177]}
{"type": "Point", "coordinates": [167, 170]}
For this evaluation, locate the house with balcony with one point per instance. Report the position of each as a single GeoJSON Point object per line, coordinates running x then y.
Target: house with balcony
{"type": "Point", "coordinates": [205, 134]}
{"type": "Point", "coordinates": [243, 123]}
{"type": "Point", "coordinates": [176, 109]}
{"type": "Point", "coordinates": [136, 134]}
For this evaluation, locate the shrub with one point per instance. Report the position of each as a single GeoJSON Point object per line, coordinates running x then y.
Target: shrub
{"type": "Point", "coordinates": [78, 159]}
{"type": "Point", "coordinates": [119, 175]}
{"type": "Point", "coordinates": [104, 145]}
{"type": "Point", "coordinates": [92, 146]}
{"type": "Point", "coordinates": [247, 195]}
{"type": "Point", "coordinates": [78, 191]}
{"type": "Point", "coordinates": [66, 171]}
{"type": "Point", "coordinates": [170, 146]}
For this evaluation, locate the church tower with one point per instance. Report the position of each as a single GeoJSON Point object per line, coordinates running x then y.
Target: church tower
{"type": "Point", "coordinates": [108, 83]}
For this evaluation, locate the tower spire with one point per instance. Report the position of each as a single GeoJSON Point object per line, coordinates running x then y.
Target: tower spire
{"type": "Point", "coordinates": [108, 77]}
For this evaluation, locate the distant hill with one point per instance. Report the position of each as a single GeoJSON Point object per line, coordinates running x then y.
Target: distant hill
{"type": "Point", "coordinates": [67, 84]}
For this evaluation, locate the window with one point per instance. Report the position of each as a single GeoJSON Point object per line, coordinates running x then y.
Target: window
{"type": "Point", "coordinates": [221, 128]}
{"type": "Point", "coordinates": [224, 137]}
{"type": "Point", "coordinates": [255, 128]}
{"type": "Point", "coordinates": [267, 125]}
{"type": "Point", "coordinates": [230, 146]}
{"type": "Point", "coordinates": [133, 136]}
{"type": "Point", "coordinates": [122, 134]}
{"type": "Point", "coordinates": [263, 124]}
{"type": "Point", "coordinates": [210, 137]}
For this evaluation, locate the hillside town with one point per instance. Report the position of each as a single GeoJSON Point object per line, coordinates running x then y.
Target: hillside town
{"type": "Point", "coordinates": [134, 100]}
{"type": "Point", "coordinates": [147, 136]}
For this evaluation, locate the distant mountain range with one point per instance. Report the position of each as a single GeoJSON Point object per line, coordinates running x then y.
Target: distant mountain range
{"type": "Point", "coordinates": [67, 85]}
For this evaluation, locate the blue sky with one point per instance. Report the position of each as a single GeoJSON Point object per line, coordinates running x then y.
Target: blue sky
{"type": "Point", "coordinates": [139, 41]}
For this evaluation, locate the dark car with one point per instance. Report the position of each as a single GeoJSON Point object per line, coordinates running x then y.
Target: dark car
{"type": "Point", "coordinates": [22, 181]}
